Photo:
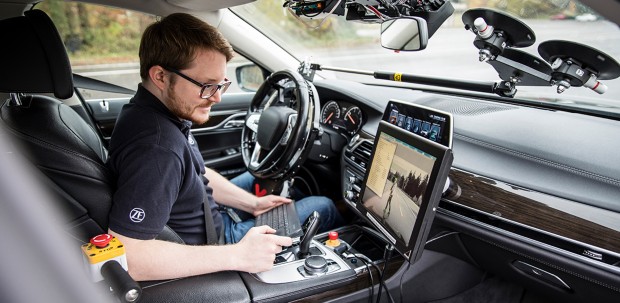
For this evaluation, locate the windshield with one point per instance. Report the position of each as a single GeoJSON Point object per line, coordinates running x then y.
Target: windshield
{"type": "Point", "coordinates": [450, 52]}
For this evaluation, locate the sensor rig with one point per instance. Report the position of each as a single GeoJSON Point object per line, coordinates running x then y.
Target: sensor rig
{"type": "Point", "coordinates": [564, 64]}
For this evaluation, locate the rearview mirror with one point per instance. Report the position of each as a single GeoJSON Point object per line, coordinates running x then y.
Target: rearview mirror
{"type": "Point", "coordinates": [404, 34]}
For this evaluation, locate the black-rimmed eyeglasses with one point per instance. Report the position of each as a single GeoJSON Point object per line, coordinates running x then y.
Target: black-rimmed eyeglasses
{"type": "Point", "coordinates": [206, 90]}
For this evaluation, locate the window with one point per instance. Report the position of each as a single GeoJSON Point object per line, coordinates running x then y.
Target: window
{"type": "Point", "coordinates": [103, 42]}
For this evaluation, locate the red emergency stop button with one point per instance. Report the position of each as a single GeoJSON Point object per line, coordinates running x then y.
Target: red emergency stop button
{"type": "Point", "coordinates": [333, 239]}
{"type": "Point", "coordinates": [101, 240]}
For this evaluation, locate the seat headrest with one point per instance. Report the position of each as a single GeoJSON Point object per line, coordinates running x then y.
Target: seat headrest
{"type": "Point", "coordinates": [33, 57]}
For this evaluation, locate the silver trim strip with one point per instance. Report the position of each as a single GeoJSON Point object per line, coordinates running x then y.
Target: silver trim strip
{"type": "Point", "coordinates": [573, 241]}
{"type": "Point", "coordinates": [571, 255]}
{"type": "Point", "coordinates": [233, 115]}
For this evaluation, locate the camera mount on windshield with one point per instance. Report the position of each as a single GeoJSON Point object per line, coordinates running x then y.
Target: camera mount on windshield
{"type": "Point", "coordinates": [435, 12]}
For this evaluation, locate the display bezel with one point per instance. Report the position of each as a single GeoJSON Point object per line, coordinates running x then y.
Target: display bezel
{"type": "Point", "coordinates": [412, 249]}
{"type": "Point", "coordinates": [421, 113]}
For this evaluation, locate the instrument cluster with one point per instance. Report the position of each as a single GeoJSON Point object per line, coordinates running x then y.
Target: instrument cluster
{"type": "Point", "coordinates": [342, 117]}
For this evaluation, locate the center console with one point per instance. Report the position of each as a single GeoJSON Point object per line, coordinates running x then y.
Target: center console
{"type": "Point", "coordinates": [309, 258]}
{"type": "Point", "coordinates": [324, 273]}
{"type": "Point", "coordinates": [290, 267]}
{"type": "Point", "coordinates": [354, 161]}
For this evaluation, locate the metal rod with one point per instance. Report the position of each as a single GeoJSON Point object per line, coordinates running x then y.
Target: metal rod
{"type": "Point", "coordinates": [346, 70]}
{"type": "Point", "coordinates": [485, 87]}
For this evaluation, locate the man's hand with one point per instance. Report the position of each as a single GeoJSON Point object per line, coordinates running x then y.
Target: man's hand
{"type": "Point", "coordinates": [266, 203]}
{"type": "Point", "coordinates": [160, 260]}
{"type": "Point", "coordinates": [257, 250]}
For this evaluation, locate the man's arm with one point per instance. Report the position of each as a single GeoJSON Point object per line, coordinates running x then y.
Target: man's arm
{"type": "Point", "coordinates": [227, 193]}
{"type": "Point", "coordinates": [158, 260]}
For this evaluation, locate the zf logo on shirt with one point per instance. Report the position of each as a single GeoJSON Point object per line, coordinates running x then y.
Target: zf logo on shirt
{"type": "Point", "coordinates": [137, 215]}
{"type": "Point", "coordinates": [190, 139]}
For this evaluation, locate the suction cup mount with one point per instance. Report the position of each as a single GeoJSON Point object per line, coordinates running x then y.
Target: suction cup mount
{"type": "Point", "coordinates": [576, 64]}
{"type": "Point", "coordinates": [495, 31]}
{"type": "Point", "coordinates": [522, 68]}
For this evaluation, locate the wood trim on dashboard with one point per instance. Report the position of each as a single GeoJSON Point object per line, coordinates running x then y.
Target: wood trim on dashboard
{"type": "Point", "coordinates": [554, 215]}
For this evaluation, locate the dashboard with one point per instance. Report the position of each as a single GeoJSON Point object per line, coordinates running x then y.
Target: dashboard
{"type": "Point", "coordinates": [529, 201]}
{"type": "Point", "coordinates": [343, 117]}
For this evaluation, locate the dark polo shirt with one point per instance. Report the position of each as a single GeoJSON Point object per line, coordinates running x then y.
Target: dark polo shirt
{"type": "Point", "coordinates": [158, 170]}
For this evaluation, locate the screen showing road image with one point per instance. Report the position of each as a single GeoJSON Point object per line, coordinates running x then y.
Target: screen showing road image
{"type": "Point", "coordinates": [396, 184]}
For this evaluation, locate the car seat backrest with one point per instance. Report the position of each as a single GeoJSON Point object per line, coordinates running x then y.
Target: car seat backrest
{"type": "Point", "coordinates": [55, 138]}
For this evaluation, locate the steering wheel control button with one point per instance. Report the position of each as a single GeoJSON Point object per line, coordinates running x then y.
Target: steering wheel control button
{"type": "Point", "coordinates": [101, 241]}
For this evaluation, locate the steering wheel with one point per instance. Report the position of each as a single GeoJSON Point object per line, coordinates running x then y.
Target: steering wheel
{"type": "Point", "coordinates": [281, 125]}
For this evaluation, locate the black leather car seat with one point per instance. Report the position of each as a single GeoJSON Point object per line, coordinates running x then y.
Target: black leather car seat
{"type": "Point", "coordinates": [54, 137]}
{"type": "Point", "coordinates": [58, 141]}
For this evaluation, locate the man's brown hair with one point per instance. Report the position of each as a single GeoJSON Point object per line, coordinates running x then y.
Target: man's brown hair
{"type": "Point", "coordinates": [173, 42]}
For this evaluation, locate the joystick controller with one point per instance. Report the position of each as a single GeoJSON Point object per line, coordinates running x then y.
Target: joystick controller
{"type": "Point", "coordinates": [315, 265]}
{"type": "Point", "coordinates": [310, 228]}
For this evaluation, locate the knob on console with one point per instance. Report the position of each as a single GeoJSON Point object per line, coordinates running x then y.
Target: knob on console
{"type": "Point", "coordinates": [315, 265]}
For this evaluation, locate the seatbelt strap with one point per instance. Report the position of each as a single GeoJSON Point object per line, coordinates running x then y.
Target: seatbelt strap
{"type": "Point", "coordinates": [212, 237]}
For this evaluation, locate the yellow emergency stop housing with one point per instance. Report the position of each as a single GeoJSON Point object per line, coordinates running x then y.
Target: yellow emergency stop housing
{"type": "Point", "coordinates": [94, 257]}
{"type": "Point", "coordinates": [96, 254]}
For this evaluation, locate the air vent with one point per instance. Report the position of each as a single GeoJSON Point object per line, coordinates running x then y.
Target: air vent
{"type": "Point", "coordinates": [360, 155]}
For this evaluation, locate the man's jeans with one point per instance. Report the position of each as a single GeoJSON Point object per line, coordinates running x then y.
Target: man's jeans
{"type": "Point", "coordinates": [329, 216]}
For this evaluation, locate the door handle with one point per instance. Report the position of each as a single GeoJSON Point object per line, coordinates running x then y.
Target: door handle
{"type": "Point", "coordinates": [234, 123]}
{"type": "Point", "coordinates": [105, 106]}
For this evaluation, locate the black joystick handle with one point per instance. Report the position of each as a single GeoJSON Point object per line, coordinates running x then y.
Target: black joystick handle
{"type": "Point", "coordinates": [310, 228]}
{"type": "Point", "coordinates": [124, 287]}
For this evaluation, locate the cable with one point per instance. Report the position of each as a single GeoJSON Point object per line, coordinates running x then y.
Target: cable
{"type": "Point", "coordinates": [375, 233]}
{"type": "Point", "coordinates": [310, 188]}
{"type": "Point", "coordinates": [389, 248]}
{"type": "Point", "coordinates": [372, 282]}
{"type": "Point", "coordinates": [375, 11]}
{"type": "Point", "coordinates": [302, 180]}
{"type": "Point", "coordinates": [356, 239]}
{"type": "Point", "coordinates": [367, 261]}
{"type": "Point", "coordinates": [386, 257]}
{"type": "Point", "coordinates": [292, 12]}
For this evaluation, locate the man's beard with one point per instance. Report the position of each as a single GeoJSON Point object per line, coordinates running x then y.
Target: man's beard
{"type": "Point", "coordinates": [182, 109]}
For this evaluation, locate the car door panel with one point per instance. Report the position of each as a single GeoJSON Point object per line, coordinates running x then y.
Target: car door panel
{"type": "Point", "coordinates": [219, 139]}
{"type": "Point", "coordinates": [105, 112]}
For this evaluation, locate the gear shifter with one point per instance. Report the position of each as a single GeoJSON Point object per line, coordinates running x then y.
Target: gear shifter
{"type": "Point", "coordinates": [310, 228]}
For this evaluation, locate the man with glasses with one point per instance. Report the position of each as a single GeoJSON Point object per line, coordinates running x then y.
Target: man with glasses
{"type": "Point", "coordinates": [161, 178]}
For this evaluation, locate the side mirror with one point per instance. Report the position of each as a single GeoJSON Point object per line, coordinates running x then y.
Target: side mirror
{"type": "Point", "coordinates": [250, 77]}
{"type": "Point", "coordinates": [404, 34]}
